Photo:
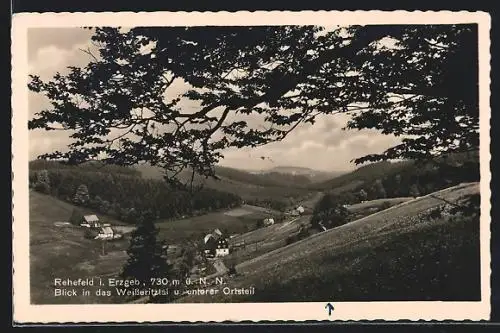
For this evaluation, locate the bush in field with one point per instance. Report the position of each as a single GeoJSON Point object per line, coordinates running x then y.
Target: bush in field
{"type": "Point", "coordinates": [330, 212]}
{"type": "Point", "coordinates": [42, 182]}
{"type": "Point", "coordinates": [76, 216]}
{"type": "Point", "coordinates": [385, 205]}
{"type": "Point", "coordinates": [232, 270]}
{"type": "Point", "coordinates": [82, 195]}
{"type": "Point", "coordinates": [90, 233]}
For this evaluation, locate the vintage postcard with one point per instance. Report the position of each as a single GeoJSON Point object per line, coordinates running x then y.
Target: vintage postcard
{"type": "Point", "coordinates": [263, 166]}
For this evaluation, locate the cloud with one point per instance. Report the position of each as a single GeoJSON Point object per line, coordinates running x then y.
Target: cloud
{"type": "Point", "coordinates": [52, 59]}
{"type": "Point", "coordinates": [322, 146]}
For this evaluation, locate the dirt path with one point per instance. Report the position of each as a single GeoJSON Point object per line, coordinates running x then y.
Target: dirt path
{"type": "Point", "coordinates": [220, 267]}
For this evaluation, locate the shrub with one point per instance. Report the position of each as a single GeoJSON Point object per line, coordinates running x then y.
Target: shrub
{"type": "Point", "coordinates": [385, 205]}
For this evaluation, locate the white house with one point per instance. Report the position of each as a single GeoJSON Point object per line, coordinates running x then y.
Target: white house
{"type": "Point", "coordinates": [300, 210]}
{"type": "Point", "coordinates": [269, 221]}
{"type": "Point", "coordinates": [216, 245]}
{"type": "Point", "coordinates": [106, 233]}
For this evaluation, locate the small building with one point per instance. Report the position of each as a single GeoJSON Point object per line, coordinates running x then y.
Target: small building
{"type": "Point", "coordinates": [300, 210]}
{"type": "Point", "coordinates": [268, 221]}
{"type": "Point", "coordinates": [322, 226]}
{"type": "Point", "coordinates": [216, 244]}
{"type": "Point", "coordinates": [90, 221]}
{"type": "Point", "coordinates": [106, 233]}
{"type": "Point", "coordinates": [222, 248]}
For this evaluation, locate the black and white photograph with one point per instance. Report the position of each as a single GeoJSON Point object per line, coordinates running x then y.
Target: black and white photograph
{"type": "Point", "coordinates": [246, 160]}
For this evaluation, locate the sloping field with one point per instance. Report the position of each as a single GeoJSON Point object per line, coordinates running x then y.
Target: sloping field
{"type": "Point", "coordinates": [377, 203]}
{"type": "Point", "coordinates": [236, 221]}
{"type": "Point", "coordinates": [63, 252]}
{"type": "Point", "coordinates": [278, 231]}
{"type": "Point", "coordinates": [263, 240]}
{"type": "Point", "coordinates": [249, 209]}
{"type": "Point", "coordinates": [270, 232]}
{"type": "Point", "coordinates": [396, 254]}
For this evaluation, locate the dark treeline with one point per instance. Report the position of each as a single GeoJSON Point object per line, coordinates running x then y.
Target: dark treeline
{"type": "Point", "coordinates": [405, 178]}
{"type": "Point", "coordinates": [89, 166]}
{"type": "Point", "coordinates": [124, 195]}
{"type": "Point", "coordinates": [265, 179]}
{"type": "Point", "coordinates": [412, 179]}
{"type": "Point", "coordinates": [272, 190]}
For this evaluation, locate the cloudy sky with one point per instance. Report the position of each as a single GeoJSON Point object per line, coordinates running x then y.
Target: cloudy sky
{"type": "Point", "coordinates": [322, 146]}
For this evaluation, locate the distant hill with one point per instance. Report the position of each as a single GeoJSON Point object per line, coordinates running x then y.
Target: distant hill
{"type": "Point", "coordinates": [273, 190]}
{"type": "Point", "coordinates": [92, 166]}
{"type": "Point", "coordinates": [270, 178]}
{"type": "Point", "coordinates": [64, 251]}
{"type": "Point", "coordinates": [362, 174]}
{"type": "Point", "coordinates": [398, 177]}
{"type": "Point", "coordinates": [312, 174]}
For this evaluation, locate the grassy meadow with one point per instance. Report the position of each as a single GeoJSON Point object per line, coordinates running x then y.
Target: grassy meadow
{"type": "Point", "coordinates": [63, 252]}
{"type": "Point", "coordinates": [235, 221]}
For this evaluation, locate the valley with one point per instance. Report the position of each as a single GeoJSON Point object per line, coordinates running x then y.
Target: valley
{"type": "Point", "coordinates": [275, 259]}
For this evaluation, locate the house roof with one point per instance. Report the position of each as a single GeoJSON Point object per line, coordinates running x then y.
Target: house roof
{"type": "Point", "coordinates": [207, 238]}
{"type": "Point", "coordinates": [216, 234]}
{"type": "Point", "coordinates": [91, 218]}
{"type": "Point", "coordinates": [107, 230]}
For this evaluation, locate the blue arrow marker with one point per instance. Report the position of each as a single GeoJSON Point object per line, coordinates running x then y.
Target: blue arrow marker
{"type": "Point", "coordinates": [330, 308]}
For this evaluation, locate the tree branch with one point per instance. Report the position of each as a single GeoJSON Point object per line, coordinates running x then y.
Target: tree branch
{"type": "Point", "coordinates": [89, 53]}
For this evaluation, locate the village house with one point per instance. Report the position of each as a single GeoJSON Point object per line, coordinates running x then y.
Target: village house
{"type": "Point", "coordinates": [90, 221]}
{"type": "Point", "coordinates": [105, 233]}
{"type": "Point", "coordinates": [216, 244]}
{"type": "Point", "coordinates": [268, 221]}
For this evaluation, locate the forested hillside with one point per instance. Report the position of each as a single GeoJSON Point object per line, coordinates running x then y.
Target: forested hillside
{"type": "Point", "coordinates": [122, 192]}
{"type": "Point", "coordinates": [405, 177]}
{"type": "Point", "coordinates": [392, 180]}
{"type": "Point", "coordinates": [272, 178]}
{"type": "Point", "coordinates": [272, 190]}
{"type": "Point", "coordinates": [88, 166]}
{"type": "Point", "coordinates": [365, 173]}
{"type": "Point", "coordinates": [266, 179]}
